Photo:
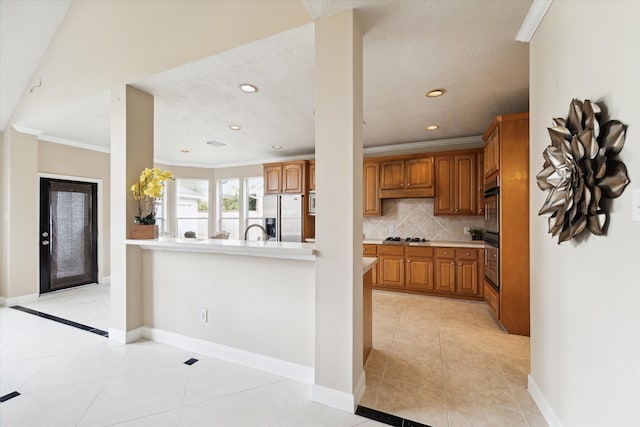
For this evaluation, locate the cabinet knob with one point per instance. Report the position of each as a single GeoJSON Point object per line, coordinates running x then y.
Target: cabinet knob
{"type": "Point", "coordinates": [467, 253]}
{"type": "Point", "coordinates": [408, 260]}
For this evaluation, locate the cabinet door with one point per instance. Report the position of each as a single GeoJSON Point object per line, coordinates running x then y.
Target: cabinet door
{"type": "Point", "coordinates": [371, 205]}
{"type": "Point", "coordinates": [312, 175]}
{"type": "Point", "coordinates": [391, 271]}
{"type": "Point", "coordinates": [492, 153]}
{"type": "Point", "coordinates": [445, 275]}
{"type": "Point", "coordinates": [419, 173]}
{"type": "Point", "coordinates": [444, 197]}
{"type": "Point", "coordinates": [272, 178]}
{"type": "Point", "coordinates": [293, 178]}
{"type": "Point", "coordinates": [392, 175]}
{"type": "Point", "coordinates": [465, 184]}
{"type": "Point", "coordinates": [419, 273]}
{"type": "Point", "coordinates": [479, 184]}
{"type": "Point", "coordinates": [467, 277]}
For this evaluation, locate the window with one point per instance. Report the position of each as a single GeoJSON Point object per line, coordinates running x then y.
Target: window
{"type": "Point", "coordinates": [253, 191]}
{"type": "Point", "coordinates": [192, 207]}
{"type": "Point", "coordinates": [161, 212]}
{"type": "Point", "coordinates": [229, 206]}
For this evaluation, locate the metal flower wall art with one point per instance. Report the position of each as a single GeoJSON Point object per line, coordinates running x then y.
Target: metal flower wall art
{"type": "Point", "coordinates": [580, 171]}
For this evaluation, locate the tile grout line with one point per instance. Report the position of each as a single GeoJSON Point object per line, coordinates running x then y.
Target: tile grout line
{"type": "Point", "coordinates": [61, 320]}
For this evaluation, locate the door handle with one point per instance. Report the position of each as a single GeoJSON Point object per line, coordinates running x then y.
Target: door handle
{"type": "Point", "coordinates": [45, 242]}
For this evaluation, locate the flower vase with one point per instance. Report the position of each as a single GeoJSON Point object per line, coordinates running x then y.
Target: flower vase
{"type": "Point", "coordinates": [144, 231]}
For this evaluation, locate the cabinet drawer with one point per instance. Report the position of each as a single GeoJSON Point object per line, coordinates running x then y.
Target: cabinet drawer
{"type": "Point", "coordinates": [492, 298]}
{"type": "Point", "coordinates": [418, 251]}
{"type": "Point", "coordinates": [466, 253]}
{"type": "Point", "coordinates": [369, 250]}
{"type": "Point", "coordinates": [390, 250]}
{"type": "Point", "coordinates": [445, 252]}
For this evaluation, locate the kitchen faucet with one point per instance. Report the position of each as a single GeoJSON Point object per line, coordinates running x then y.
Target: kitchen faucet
{"type": "Point", "coordinates": [264, 232]}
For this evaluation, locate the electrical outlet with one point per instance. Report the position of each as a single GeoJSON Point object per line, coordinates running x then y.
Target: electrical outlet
{"type": "Point", "coordinates": [204, 315]}
{"type": "Point", "coordinates": [466, 230]}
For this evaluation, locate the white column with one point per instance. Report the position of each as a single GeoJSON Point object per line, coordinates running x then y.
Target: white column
{"type": "Point", "coordinates": [339, 377]}
{"type": "Point", "coordinates": [131, 152]}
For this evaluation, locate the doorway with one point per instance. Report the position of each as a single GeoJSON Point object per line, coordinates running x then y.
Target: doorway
{"type": "Point", "coordinates": [68, 234]}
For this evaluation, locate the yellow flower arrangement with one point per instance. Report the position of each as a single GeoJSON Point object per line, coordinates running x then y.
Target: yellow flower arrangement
{"type": "Point", "coordinates": [147, 191]}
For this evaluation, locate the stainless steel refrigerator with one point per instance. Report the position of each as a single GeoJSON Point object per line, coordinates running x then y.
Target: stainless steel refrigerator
{"type": "Point", "coordinates": [284, 217]}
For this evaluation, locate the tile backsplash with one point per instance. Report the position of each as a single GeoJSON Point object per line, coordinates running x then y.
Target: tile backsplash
{"type": "Point", "coordinates": [414, 218]}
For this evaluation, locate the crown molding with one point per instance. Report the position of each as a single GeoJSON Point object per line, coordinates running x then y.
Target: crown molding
{"type": "Point", "coordinates": [63, 141]}
{"type": "Point", "coordinates": [427, 145]}
{"type": "Point", "coordinates": [532, 20]}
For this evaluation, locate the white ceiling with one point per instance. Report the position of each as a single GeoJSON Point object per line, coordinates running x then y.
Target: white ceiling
{"type": "Point", "coordinates": [410, 47]}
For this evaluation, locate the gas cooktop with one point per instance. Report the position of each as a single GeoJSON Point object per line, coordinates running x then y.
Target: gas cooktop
{"type": "Point", "coordinates": [404, 241]}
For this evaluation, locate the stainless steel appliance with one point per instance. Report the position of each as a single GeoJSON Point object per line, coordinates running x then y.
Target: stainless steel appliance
{"type": "Point", "coordinates": [492, 264]}
{"type": "Point", "coordinates": [284, 219]}
{"type": "Point", "coordinates": [492, 232]}
{"type": "Point", "coordinates": [312, 202]}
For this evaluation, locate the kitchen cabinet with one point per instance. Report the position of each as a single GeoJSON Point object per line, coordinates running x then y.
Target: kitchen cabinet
{"type": "Point", "coordinates": [409, 176]}
{"type": "Point", "coordinates": [371, 204]}
{"type": "Point", "coordinates": [285, 178]}
{"type": "Point", "coordinates": [507, 140]}
{"type": "Point", "coordinates": [492, 297]}
{"type": "Point", "coordinates": [419, 268]}
{"type": "Point", "coordinates": [391, 266]}
{"type": "Point", "coordinates": [456, 185]}
{"type": "Point", "coordinates": [293, 178]}
{"type": "Point", "coordinates": [312, 175]}
{"type": "Point", "coordinates": [452, 272]}
{"type": "Point", "coordinates": [479, 183]}
{"type": "Point", "coordinates": [492, 152]}
{"type": "Point", "coordinates": [272, 174]}
{"type": "Point", "coordinates": [457, 271]}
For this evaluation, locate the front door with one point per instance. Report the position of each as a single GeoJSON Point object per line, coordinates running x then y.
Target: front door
{"type": "Point", "coordinates": [68, 234]}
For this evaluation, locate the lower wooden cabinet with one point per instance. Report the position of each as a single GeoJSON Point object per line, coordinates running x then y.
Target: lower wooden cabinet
{"type": "Point", "coordinates": [492, 298]}
{"type": "Point", "coordinates": [419, 268]}
{"type": "Point", "coordinates": [455, 272]}
{"type": "Point", "coordinates": [369, 250]}
{"type": "Point", "coordinates": [391, 266]}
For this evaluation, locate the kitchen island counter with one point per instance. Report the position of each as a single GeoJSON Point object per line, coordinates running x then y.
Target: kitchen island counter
{"type": "Point", "coordinates": [266, 249]}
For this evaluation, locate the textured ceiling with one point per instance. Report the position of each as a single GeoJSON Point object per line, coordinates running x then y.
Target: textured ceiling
{"type": "Point", "coordinates": [466, 47]}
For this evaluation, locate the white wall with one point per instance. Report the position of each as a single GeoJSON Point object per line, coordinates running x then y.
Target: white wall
{"type": "Point", "coordinates": [585, 317]}
{"type": "Point", "coordinates": [3, 189]}
{"type": "Point", "coordinates": [261, 305]}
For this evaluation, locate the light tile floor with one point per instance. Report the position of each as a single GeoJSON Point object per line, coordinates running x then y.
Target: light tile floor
{"type": "Point", "coordinates": [447, 363]}
{"type": "Point", "coordinates": [69, 377]}
{"type": "Point", "coordinates": [438, 361]}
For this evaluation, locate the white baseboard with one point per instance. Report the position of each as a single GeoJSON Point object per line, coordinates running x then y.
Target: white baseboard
{"type": "Point", "coordinates": [334, 398]}
{"type": "Point", "coordinates": [547, 412]}
{"type": "Point", "coordinates": [253, 360]}
{"type": "Point", "coordinates": [24, 299]}
{"type": "Point", "coordinates": [125, 337]}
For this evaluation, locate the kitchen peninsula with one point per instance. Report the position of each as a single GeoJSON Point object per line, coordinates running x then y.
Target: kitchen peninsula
{"type": "Point", "coordinates": [250, 302]}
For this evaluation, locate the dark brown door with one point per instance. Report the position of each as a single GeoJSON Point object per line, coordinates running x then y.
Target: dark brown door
{"type": "Point", "coordinates": [68, 234]}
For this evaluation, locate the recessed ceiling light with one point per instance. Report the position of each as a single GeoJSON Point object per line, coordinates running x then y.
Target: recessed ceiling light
{"type": "Point", "coordinates": [235, 127]}
{"type": "Point", "coordinates": [432, 127]}
{"type": "Point", "coordinates": [435, 93]}
{"type": "Point", "coordinates": [276, 147]}
{"type": "Point", "coordinates": [248, 88]}
{"type": "Point", "coordinates": [216, 143]}
{"type": "Point", "coordinates": [184, 150]}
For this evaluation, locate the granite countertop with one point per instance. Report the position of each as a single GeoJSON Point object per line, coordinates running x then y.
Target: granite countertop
{"type": "Point", "coordinates": [439, 243]}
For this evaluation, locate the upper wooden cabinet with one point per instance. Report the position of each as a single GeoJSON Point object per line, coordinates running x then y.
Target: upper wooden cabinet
{"type": "Point", "coordinates": [272, 178]}
{"type": "Point", "coordinates": [492, 152]}
{"type": "Point", "coordinates": [371, 204]}
{"type": "Point", "coordinates": [312, 175]}
{"type": "Point", "coordinates": [288, 178]}
{"type": "Point", "coordinates": [456, 185]}
{"type": "Point", "coordinates": [405, 177]}
{"type": "Point", "coordinates": [293, 179]}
